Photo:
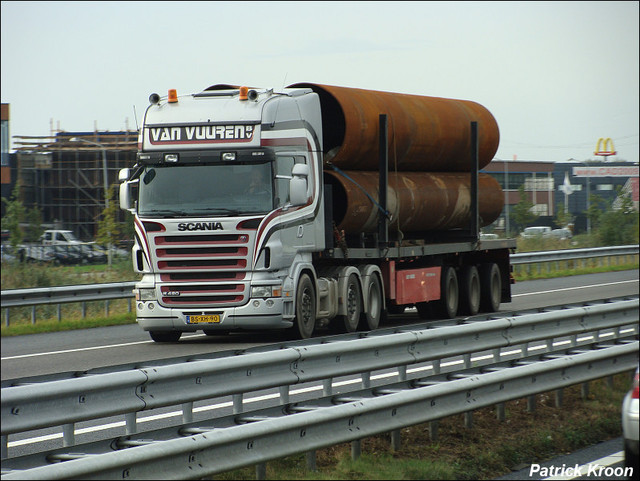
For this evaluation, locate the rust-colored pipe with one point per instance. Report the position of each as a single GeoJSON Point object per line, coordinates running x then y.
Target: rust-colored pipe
{"type": "Point", "coordinates": [425, 133]}
{"type": "Point", "coordinates": [417, 201]}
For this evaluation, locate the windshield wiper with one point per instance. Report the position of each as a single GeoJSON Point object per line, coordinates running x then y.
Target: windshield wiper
{"type": "Point", "coordinates": [165, 212]}
{"type": "Point", "coordinates": [219, 210]}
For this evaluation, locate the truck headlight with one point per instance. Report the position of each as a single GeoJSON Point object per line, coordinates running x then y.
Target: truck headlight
{"type": "Point", "coordinates": [266, 291]}
{"type": "Point", "coordinates": [145, 294]}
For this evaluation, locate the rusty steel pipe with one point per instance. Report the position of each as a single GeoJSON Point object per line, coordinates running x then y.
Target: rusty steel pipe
{"type": "Point", "coordinates": [417, 201]}
{"type": "Point", "coordinates": [429, 134]}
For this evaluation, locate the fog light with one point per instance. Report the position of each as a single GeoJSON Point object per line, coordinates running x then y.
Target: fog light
{"type": "Point", "coordinates": [151, 306]}
{"type": "Point", "coordinates": [270, 303]}
{"type": "Point", "coordinates": [256, 303]}
{"type": "Point", "coordinates": [140, 305]}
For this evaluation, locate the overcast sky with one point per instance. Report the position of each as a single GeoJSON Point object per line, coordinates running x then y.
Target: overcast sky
{"type": "Point", "coordinates": [557, 76]}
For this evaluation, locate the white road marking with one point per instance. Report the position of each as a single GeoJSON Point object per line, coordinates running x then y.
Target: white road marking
{"type": "Point", "coordinates": [573, 288]}
{"type": "Point", "coordinates": [584, 469]}
{"type": "Point", "coordinates": [80, 349]}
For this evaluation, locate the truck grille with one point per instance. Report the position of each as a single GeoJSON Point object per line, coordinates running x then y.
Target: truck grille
{"type": "Point", "coordinates": [203, 270]}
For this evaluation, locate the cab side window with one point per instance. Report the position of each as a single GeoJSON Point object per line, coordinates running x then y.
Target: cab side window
{"type": "Point", "coordinates": [284, 166]}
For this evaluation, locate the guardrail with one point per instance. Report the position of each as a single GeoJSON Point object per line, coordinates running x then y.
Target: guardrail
{"type": "Point", "coordinates": [120, 290]}
{"type": "Point", "coordinates": [548, 258]}
{"type": "Point", "coordinates": [215, 451]}
{"type": "Point", "coordinates": [66, 402]}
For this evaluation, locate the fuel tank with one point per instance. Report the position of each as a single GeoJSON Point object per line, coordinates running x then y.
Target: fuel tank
{"type": "Point", "coordinates": [417, 201]}
{"type": "Point", "coordinates": [429, 134]}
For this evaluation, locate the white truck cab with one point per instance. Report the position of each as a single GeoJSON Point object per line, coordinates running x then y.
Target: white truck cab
{"type": "Point", "coordinates": [58, 237]}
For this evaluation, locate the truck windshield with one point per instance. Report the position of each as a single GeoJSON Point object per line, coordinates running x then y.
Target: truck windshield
{"type": "Point", "coordinates": [197, 190]}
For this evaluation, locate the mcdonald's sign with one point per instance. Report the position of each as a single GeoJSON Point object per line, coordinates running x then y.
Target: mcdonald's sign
{"type": "Point", "coordinates": [606, 149]}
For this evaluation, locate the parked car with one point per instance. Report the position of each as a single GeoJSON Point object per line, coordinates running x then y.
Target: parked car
{"type": "Point", "coordinates": [66, 254]}
{"type": "Point", "coordinates": [630, 422]}
{"type": "Point", "coordinates": [57, 254]}
{"type": "Point", "coordinates": [539, 231]}
{"type": "Point", "coordinates": [488, 236]}
{"type": "Point", "coordinates": [562, 234]}
{"type": "Point", "coordinates": [93, 254]}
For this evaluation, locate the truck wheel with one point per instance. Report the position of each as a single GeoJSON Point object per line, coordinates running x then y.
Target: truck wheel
{"type": "Point", "coordinates": [470, 291]}
{"type": "Point", "coordinates": [353, 304]}
{"type": "Point", "coordinates": [305, 319]}
{"type": "Point", "coordinates": [447, 306]}
{"type": "Point", "coordinates": [490, 287]}
{"type": "Point", "coordinates": [165, 336]}
{"type": "Point", "coordinates": [370, 318]}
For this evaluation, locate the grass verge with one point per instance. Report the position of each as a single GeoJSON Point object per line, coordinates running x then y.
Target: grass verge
{"type": "Point", "coordinates": [489, 450]}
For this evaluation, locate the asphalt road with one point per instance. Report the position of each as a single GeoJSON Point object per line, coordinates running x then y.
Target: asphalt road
{"type": "Point", "coordinates": [38, 354]}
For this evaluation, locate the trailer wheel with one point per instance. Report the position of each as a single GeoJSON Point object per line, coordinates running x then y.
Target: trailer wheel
{"type": "Point", "coordinates": [470, 291]}
{"type": "Point", "coordinates": [447, 306]}
{"type": "Point", "coordinates": [165, 336]}
{"type": "Point", "coordinates": [370, 318]}
{"type": "Point", "coordinates": [490, 287]}
{"type": "Point", "coordinates": [353, 303]}
{"type": "Point", "coordinates": [305, 319]}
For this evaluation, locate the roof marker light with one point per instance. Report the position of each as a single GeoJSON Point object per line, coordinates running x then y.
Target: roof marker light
{"type": "Point", "coordinates": [173, 96]}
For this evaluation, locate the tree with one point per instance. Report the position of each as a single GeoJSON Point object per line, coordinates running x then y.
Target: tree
{"type": "Point", "coordinates": [619, 225]}
{"type": "Point", "coordinates": [14, 215]}
{"type": "Point", "coordinates": [523, 214]}
{"type": "Point", "coordinates": [562, 218]}
{"type": "Point", "coordinates": [34, 227]}
{"type": "Point", "coordinates": [597, 207]}
{"type": "Point", "coordinates": [108, 226]}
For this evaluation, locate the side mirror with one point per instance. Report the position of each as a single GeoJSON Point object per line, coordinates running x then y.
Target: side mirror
{"type": "Point", "coordinates": [125, 195]}
{"type": "Point", "coordinates": [123, 175]}
{"type": "Point", "coordinates": [298, 184]}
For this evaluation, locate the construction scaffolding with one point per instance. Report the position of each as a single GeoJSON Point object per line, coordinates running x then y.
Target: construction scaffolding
{"type": "Point", "coordinates": [64, 175]}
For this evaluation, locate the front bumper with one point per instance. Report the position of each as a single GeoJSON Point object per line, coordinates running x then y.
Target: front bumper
{"type": "Point", "coordinates": [256, 314]}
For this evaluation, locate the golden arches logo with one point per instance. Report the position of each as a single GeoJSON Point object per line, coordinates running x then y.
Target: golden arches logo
{"type": "Point", "coordinates": [606, 149]}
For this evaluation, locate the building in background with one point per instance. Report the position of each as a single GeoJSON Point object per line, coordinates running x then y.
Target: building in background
{"type": "Point", "coordinates": [64, 175]}
{"type": "Point", "coordinates": [589, 179]}
{"type": "Point", "coordinates": [544, 185]}
{"type": "Point", "coordinates": [538, 181]}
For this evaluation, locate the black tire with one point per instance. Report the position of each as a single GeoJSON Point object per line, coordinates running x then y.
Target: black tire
{"type": "Point", "coordinates": [353, 302]}
{"type": "Point", "coordinates": [631, 459]}
{"type": "Point", "coordinates": [447, 306]}
{"type": "Point", "coordinates": [305, 317]}
{"type": "Point", "coordinates": [470, 291]}
{"type": "Point", "coordinates": [165, 336]}
{"type": "Point", "coordinates": [490, 287]}
{"type": "Point", "coordinates": [370, 318]}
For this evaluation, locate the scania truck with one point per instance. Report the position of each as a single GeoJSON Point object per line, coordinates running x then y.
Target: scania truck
{"type": "Point", "coordinates": [312, 206]}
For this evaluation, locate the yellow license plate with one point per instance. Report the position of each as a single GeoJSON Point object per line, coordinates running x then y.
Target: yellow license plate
{"type": "Point", "coordinates": [203, 319]}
